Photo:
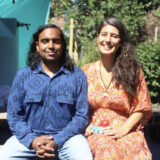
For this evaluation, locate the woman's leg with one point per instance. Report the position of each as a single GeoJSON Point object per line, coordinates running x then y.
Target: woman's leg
{"type": "Point", "coordinates": [76, 148]}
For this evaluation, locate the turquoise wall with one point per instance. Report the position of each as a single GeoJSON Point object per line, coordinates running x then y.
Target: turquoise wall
{"type": "Point", "coordinates": [33, 12]}
{"type": "Point", "coordinates": [8, 50]}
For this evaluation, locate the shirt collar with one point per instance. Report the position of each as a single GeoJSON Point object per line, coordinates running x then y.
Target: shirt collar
{"type": "Point", "coordinates": [39, 69]}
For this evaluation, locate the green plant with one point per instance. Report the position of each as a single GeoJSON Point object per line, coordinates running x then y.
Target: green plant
{"type": "Point", "coordinates": [87, 15]}
{"type": "Point", "coordinates": [149, 57]}
{"type": "Point", "coordinates": [156, 12]}
{"type": "Point", "coordinates": [89, 53]}
{"type": "Point", "coordinates": [150, 4]}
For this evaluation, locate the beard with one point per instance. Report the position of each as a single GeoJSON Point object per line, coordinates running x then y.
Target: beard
{"type": "Point", "coordinates": [51, 62]}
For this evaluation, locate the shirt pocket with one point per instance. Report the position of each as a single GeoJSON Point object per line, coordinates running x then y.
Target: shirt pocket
{"type": "Point", "coordinates": [65, 99]}
{"type": "Point", "coordinates": [33, 98]}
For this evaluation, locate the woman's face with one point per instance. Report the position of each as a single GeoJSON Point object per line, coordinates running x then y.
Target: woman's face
{"type": "Point", "coordinates": [108, 40]}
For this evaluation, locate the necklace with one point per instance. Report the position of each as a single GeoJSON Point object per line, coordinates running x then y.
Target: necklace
{"type": "Point", "coordinates": [106, 87]}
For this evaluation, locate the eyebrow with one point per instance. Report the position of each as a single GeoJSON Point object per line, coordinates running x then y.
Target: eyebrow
{"type": "Point", "coordinates": [53, 39]}
{"type": "Point", "coordinates": [110, 32]}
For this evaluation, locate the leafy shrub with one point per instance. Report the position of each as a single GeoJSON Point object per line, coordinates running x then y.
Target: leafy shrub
{"type": "Point", "coordinates": [88, 14]}
{"type": "Point", "coordinates": [149, 57]}
{"type": "Point", "coordinates": [89, 53]}
{"type": "Point", "coordinates": [156, 12]}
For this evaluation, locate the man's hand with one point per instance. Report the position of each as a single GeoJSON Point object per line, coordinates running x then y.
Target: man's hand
{"type": "Point", "coordinates": [44, 146]}
{"type": "Point", "coordinates": [49, 147]}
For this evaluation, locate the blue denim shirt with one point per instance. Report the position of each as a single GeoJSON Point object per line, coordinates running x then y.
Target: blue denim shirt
{"type": "Point", "coordinates": [40, 105]}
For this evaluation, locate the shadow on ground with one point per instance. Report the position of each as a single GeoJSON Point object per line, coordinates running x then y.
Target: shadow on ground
{"type": "Point", "coordinates": [154, 148]}
{"type": "Point", "coordinates": [5, 132]}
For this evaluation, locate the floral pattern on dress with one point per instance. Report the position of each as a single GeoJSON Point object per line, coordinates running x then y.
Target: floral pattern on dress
{"type": "Point", "coordinates": [116, 106]}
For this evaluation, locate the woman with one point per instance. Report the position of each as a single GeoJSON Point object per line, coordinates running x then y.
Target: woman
{"type": "Point", "coordinates": [117, 93]}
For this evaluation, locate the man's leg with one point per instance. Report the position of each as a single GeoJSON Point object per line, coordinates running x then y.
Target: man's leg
{"type": "Point", "coordinates": [76, 148]}
{"type": "Point", "coordinates": [14, 150]}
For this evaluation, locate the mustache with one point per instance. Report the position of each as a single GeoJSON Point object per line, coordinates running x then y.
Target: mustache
{"type": "Point", "coordinates": [50, 50]}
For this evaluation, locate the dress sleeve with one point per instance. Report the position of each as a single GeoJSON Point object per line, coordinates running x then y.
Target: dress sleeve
{"type": "Point", "coordinates": [85, 68]}
{"type": "Point", "coordinates": [16, 114]}
{"type": "Point", "coordinates": [142, 102]}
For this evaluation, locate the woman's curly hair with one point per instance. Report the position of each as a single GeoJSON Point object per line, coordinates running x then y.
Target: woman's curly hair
{"type": "Point", "coordinates": [126, 68]}
{"type": "Point", "coordinates": [34, 58]}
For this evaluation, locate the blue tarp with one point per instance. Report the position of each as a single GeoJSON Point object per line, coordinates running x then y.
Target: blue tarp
{"type": "Point", "coordinates": [4, 93]}
{"type": "Point", "coordinates": [5, 32]}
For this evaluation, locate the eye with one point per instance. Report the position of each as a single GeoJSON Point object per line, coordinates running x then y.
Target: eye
{"type": "Point", "coordinates": [103, 34]}
{"type": "Point", "coordinates": [45, 41]}
{"type": "Point", "coordinates": [57, 41]}
{"type": "Point", "coordinates": [115, 36]}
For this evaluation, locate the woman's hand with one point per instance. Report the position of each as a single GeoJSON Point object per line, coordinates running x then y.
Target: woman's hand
{"type": "Point", "coordinates": [88, 131]}
{"type": "Point", "coordinates": [114, 133]}
{"type": "Point", "coordinates": [132, 121]}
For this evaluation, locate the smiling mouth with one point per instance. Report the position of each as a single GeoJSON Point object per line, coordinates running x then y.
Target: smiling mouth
{"type": "Point", "coordinates": [107, 47]}
{"type": "Point", "coordinates": [51, 52]}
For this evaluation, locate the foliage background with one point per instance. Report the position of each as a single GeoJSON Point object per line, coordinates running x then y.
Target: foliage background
{"type": "Point", "coordinates": [149, 56]}
{"type": "Point", "coordinates": [87, 15]}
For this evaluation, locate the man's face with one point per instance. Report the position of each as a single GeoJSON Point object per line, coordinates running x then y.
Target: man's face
{"type": "Point", "coordinates": [50, 45]}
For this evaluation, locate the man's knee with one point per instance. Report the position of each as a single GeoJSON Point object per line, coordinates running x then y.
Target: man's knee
{"type": "Point", "coordinates": [76, 148]}
{"type": "Point", "coordinates": [13, 148]}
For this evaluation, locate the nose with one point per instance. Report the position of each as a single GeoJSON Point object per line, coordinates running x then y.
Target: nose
{"type": "Point", "coordinates": [50, 44]}
{"type": "Point", "coordinates": [108, 38]}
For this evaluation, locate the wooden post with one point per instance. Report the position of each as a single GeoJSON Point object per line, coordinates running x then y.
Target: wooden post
{"type": "Point", "coordinates": [156, 34]}
{"type": "Point", "coordinates": [75, 51]}
{"type": "Point", "coordinates": [71, 38]}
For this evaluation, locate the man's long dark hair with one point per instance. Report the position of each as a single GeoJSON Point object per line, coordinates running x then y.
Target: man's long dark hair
{"type": "Point", "coordinates": [126, 68]}
{"type": "Point", "coordinates": [33, 56]}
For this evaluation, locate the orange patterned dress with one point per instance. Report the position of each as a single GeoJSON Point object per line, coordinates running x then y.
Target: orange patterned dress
{"type": "Point", "coordinates": [116, 106]}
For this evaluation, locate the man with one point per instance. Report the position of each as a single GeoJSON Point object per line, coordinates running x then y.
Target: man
{"type": "Point", "coordinates": [48, 106]}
